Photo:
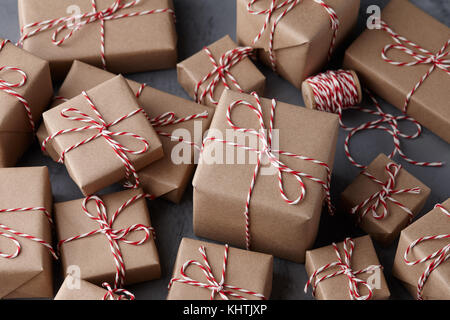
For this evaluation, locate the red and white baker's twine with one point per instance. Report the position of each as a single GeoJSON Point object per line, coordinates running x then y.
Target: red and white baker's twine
{"type": "Point", "coordinates": [8, 87]}
{"type": "Point", "coordinates": [106, 227]}
{"type": "Point", "coordinates": [104, 131]}
{"type": "Point", "coordinates": [421, 56]}
{"type": "Point", "coordinates": [12, 234]}
{"type": "Point", "coordinates": [265, 138]}
{"type": "Point", "coordinates": [221, 288]}
{"type": "Point", "coordinates": [336, 91]}
{"type": "Point", "coordinates": [122, 294]}
{"type": "Point", "coordinates": [288, 5]}
{"type": "Point", "coordinates": [75, 23]}
{"type": "Point", "coordinates": [344, 269]}
{"type": "Point", "coordinates": [221, 73]}
{"type": "Point", "coordinates": [436, 258]}
{"type": "Point", "coordinates": [387, 192]}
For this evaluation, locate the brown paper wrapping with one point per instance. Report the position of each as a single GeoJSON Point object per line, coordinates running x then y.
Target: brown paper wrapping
{"type": "Point", "coordinates": [85, 290]}
{"type": "Point", "coordinates": [302, 37]}
{"type": "Point", "coordinates": [429, 104]}
{"type": "Point", "coordinates": [163, 177]}
{"type": "Point", "coordinates": [95, 165]}
{"type": "Point", "coordinates": [92, 254]}
{"type": "Point", "coordinates": [245, 269]}
{"type": "Point", "coordinates": [437, 287]}
{"type": "Point", "coordinates": [336, 288]}
{"type": "Point", "coordinates": [220, 190]}
{"type": "Point", "coordinates": [195, 68]}
{"type": "Point", "coordinates": [29, 275]}
{"type": "Point", "coordinates": [129, 45]}
{"type": "Point", "coordinates": [15, 129]}
{"type": "Point", "coordinates": [386, 230]}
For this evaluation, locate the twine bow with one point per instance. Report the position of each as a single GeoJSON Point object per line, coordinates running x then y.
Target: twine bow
{"type": "Point", "coordinates": [217, 288]}
{"type": "Point", "coordinates": [437, 258]}
{"type": "Point", "coordinates": [121, 294]}
{"type": "Point", "coordinates": [386, 193]}
{"type": "Point", "coordinates": [344, 269]}
{"type": "Point", "coordinates": [114, 236]}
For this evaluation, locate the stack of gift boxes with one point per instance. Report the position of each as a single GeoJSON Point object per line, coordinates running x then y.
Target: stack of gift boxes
{"type": "Point", "coordinates": [107, 129]}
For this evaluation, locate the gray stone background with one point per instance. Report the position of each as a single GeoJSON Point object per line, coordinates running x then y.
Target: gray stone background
{"type": "Point", "coordinates": [199, 23]}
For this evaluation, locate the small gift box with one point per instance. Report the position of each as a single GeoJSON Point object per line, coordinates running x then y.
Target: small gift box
{"type": "Point", "coordinates": [221, 65]}
{"type": "Point", "coordinates": [259, 159]}
{"type": "Point", "coordinates": [25, 233]}
{"type": "Point", "coordinates": [108, 239]}
{"type": "Point", "coordinates": [385, 197]}
{"type": "Point", "coordinates": [102, 136]}
{"type": "Point", "coordinates": [404, 62]}
{"type": "Point", "coordinates": [296, 38]}
{"type": "Point", "coordinates": [347, 270]}
{"type": "Point", "coordinates": [174, 119]}
{"type": "Point", "coordinates": [422, 253]}
{"type": "Point", "coordinates": [109, 33]}
{"type": "Point", "coordinates": [205, 270]}
{"type": "Point", "coordinates": [25, 90]}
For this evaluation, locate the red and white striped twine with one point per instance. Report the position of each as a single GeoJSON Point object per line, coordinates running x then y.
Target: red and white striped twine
{"type": "Point", "coordinates": [121, 294]}
{"type": "Point", "coordinates": [75, 23]}
{"type": "Point", "coordinates": [273, 157]}
{"type": "Point", "coordinates": [421, 56]}
{"type": "Point", "coordinates": [106, 227]}
{"type": "Point", "coordinates": [387, 192]}
{"type": "Point", "coordinates": [344, 269]}
{"type": "Point", "coordinates": [9, 231]}
{"type": "Point", "coordinates": [221, 73]}
{"type": "Point", "coordinates": [221, 288]}
{"type": "Point", "coordinates": [336, 91]}
{"type": "Point", "coordinates": [288, 5]}
{"type": "Point", "coordinates": [437, 258]}
{"type": "Point", "coordinates": [8, 87]}
{"type": "Point", "coordinates": [103, 131]}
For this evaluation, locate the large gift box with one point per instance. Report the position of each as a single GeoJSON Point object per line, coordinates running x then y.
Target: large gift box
{"type": "Point", "coordinates": [385, 198]}
{"type": "Point", "coordinates": [110, 33]}
{"type": "Point", "coordinates": [107, 239]}
{"type": "Point", "coordinates": [25, 90]}
{"type": "Point", "coordinates": [166, 177]}
{"type": "Point", "coordinates": [253, 173]}
{"type": "Point", "coordinates": [25, 233]}
{"type": "Point", "coordinates": [413, 80]}
{"type": "Point", "coordinates": [206, 270]}
{"type": "Point", "coordinates": [222, 64]}
{"type": "Point", "coordinates": [420, 262]}
{"type": "Point", "coordinates": [300, 35]}
{"type": "Point", "coordinates": [103, 136]}
{"type": "Point", "coordinates": [349, 270]}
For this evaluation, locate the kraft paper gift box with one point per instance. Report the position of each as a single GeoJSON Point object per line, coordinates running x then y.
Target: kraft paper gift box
{"type": "Point", "coordinates": [129, 45]}
{"type": "Point", "coordinates": [221, 187]}
{"type": "Point", "coordinates": [193, 71]}
{"type": "Point", "coordinates": [92, 256]}
{"type": "Point", "coordinates": [245, 270]}
{"type": "Point", "coordinates": [96, 165]}
{"type": "Point", "coordinates": [437, 285]}
{"type": "Point", "coordinates": [165, 177]}
{"type": "Point", "coordinates": [429, 103]}
{"type": "Point", "coordinates": [29, 274]}
{"type": "Point", "coordinates": [363, 256]}
{"type": "Point", "coordinates": [16, 130]}
{"type": "Point", "coordinates": [387, 229]}
{"type": "Point", "coordinates": [302, 38]}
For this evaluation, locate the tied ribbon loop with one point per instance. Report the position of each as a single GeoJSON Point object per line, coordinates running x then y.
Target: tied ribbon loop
{"type": "Point", "coordinates": [437, 258]}
{"type": "Point", "coordinates": [217, 288]}
{"type": "Point", "coordinates": [265, 138]}
{"type": "Point", "coordinates": [344, 269]}
{"type": "Point", "coordinates": [76, 23]}
{"type": "Point", "coordinates": [421, 57]}
{"type": "Point", "coordinates": [121, 294]}
{"type": "Point", "coordinates": [114, 235]}
{"type": "Point", "coordinates": [387, 192]}
{"type": "Point", "coordinates": [104, 131]}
